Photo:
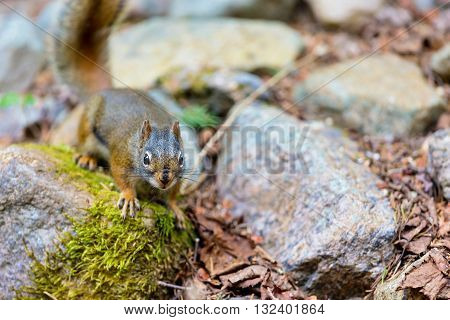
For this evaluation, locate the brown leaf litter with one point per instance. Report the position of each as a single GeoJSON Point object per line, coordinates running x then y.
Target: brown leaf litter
{"type": "Point", "coordinates": [422, 215]}
{"type": "Point", "coordinates": [231, 263]}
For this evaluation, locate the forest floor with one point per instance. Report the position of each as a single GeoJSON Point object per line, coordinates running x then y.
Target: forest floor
{"type": "Point", "coordinates": [422, 215]}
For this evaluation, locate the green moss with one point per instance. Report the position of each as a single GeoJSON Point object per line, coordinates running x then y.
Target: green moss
{"type": "Point", "coordinates": [105, 257]}
{"type": "Point", "coordinates": [93, 182]}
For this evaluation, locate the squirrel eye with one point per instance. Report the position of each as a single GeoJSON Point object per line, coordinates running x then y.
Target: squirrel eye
{"type": "Point", "coordinates": [181, 160]}
{"type": "Point", "coordinates": [146, 159]}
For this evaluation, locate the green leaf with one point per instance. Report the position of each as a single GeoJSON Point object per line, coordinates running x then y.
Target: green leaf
{"type": "Point", "coordinates": [29, 99]}
{"type": "Point", "coordinates": [11, 99]}
{"type": "Point", "coordinates": [198, 117]}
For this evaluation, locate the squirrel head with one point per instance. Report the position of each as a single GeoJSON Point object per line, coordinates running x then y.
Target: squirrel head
{"type": "Point", "coordinates": [161, 155]}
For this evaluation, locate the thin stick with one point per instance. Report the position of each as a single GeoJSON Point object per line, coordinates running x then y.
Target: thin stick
{"type": "Point", "coordinates": [194, 186]}
{"type": "Point", "coordinates": [229, 269]}
{"type": "Point", "coordinates": [197, 240]}
{"type": "Point", "coordinates": [50, 295]}
{"type": "Point", "coordinates": [270, 294]}
{"type": "Point", "coordinates": [169, 285]}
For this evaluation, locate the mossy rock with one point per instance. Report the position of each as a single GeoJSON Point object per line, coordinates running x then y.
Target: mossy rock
{"type": "Point", "coordinates": [102, 256]}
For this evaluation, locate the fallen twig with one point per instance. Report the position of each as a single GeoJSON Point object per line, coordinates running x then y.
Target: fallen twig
{"type": "Point", "coordinates": [197, 240]}
{"type": "Point", "coordinates": [169, 285]}
{"type": "Point", "coordinates": [50, 295]}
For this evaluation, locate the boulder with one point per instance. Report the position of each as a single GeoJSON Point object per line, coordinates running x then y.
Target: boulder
{"type": "Point", "coordinates": [59, 226]}
{"type": "Point", "coordinates": [259, 9]}
{"type": "Point", "coordinates": [32, 205]}
{"type": "Point", "coordinates": [439, 159]}
{"type": "Point", "coordinates": [319, 212]}
{"type": "Point", "coordinates": [143, 53]}
{"type": "Point", "coordinates": [344, 13]}
{"type": "Point", "coordinates": [22, 53]}
{"type": "Point", "coordinates": [440, 62]}
{"type": "Point", "coordinates": [382, 95]}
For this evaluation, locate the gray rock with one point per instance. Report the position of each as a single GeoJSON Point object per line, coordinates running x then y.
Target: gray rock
{"type": "Point", "coordinates": [383, 95]}
{"type": "Point", "coordinates": [320, 213]}
{"type": "Point", "coordinates": [66, 132]}
{"type": "Point", "coordinates": [425, 5]}
{"type": "Point", "coordinates": [15, 119]}
{"type": "Point", "coordinates": [143, 53]}
{"type": "Point", "coordinates": [440, 62]}
{"type": "Point", "coordinates": [21, 53]}
{"type": "Point", "coordinates": [345, 13]}
{"type": "Point", "coordinates": [32, 203]}
{"type": "Point", "coordinates": [48, 17]}
{"type": "Point", "coordinates": [439, 159]}
{"type": "Point", "coordinates": [395, 16]}
{"type": "Point", "coordinates": [39, 187]}
{"type": "Point", "coordinates": [261, 9]}
{"type": "Point", "coordinates": [227, 81]}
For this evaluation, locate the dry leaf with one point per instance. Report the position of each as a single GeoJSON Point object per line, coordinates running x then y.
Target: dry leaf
{"type": "Point", "coordinates": [420, 245]}
{"type": "Point", "coordinates": [420, 276]}
{"type": "Point", "coordinates": [250, 272]}
{"type": "Point", "coordinates": [409, 235]}
{"type": "Point", "coordinates": [432, 288]}
{"type": "Point", "coordinates": [441, 263]}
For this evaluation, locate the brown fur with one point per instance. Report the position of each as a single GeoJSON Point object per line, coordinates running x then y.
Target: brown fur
{"type": "Point", "coordinates": [112, 127]}
{"type": "Point", "coordinates": [79, 48]}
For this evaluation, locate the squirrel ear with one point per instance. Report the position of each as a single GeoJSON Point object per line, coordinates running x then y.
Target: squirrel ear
{"type": "Point", "coordinates": [176, 129]}
{"type": "Point", "coordinates": [145, 132]}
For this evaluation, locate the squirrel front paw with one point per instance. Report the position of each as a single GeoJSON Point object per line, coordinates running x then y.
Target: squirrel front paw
{"type": "Point", "coordinates": [86, 162]}
{"type": "Point", "coordinates": [179, 215]}
{"type": "Point", "coordinates": [129, 204]}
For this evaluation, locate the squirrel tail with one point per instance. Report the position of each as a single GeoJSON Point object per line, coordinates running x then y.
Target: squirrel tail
{"type": "Point", "coordinates": [79, 50]}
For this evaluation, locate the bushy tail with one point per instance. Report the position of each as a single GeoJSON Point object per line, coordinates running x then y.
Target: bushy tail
{"type": "Point", "coordinates": [80, 54]}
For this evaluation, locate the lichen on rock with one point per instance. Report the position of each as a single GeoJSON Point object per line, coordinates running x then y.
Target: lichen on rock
{"type": "Point", "coordinates": [97, 255]}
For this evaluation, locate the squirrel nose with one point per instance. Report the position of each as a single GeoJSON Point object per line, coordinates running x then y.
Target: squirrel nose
{"type": "Point", "coordinates": [165, 176]}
